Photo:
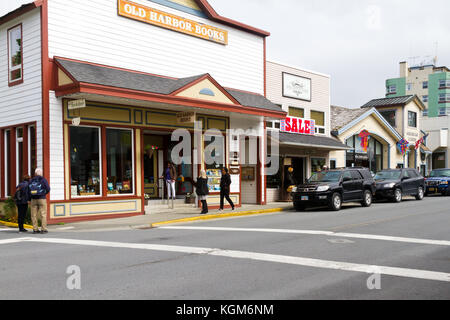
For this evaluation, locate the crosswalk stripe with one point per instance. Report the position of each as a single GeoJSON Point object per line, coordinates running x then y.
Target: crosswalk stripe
{"type": "Point", "coordinates": [300, 261]}
{"type": "Point", "coordinates": [318, 233]}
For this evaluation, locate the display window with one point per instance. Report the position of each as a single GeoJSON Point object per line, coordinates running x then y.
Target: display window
{"type": "Point", "coordinates": [85, 151]}
{"type": "Point", "coordinates": [119, 161]}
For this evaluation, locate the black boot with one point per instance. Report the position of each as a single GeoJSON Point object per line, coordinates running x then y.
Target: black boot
{"type": "Point", "coordinates": [204, 207]}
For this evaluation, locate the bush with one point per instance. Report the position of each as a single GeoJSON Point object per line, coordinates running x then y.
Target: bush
{"type": "Point", "coordinates": [10, 212]}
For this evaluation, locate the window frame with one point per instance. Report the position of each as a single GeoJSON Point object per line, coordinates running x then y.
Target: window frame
{"type": "Point", "coordinates": [133, 160]}
{"type": "Point", "coordinates": [415, 119]}
{"type": "Point", "coordinates": [446, 97]}
{"type": "Point", "coordinates": [392, 89]}
{"type": "Point", "coordinates": [318, 128]}
{"type": "Point", "coordinates": [10, 67]}
{"type": "Point", "coordinates": [425, 85]}
{"type": "Point", "coordinates": [444, 83]}
{"type": "Point", "coordinates": [100, 153]}
{"type": "Point", "coordinates": [395, 116]}
{"type": "Point", "coordinates": [297, 109]}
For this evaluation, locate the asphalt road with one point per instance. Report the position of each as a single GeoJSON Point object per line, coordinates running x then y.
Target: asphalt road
{"type": "Point", "coordinates": [316, 254]}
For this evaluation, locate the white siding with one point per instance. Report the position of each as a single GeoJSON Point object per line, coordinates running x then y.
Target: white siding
{"type": "Point", "coordinates": [23, 103]}
{"type": "Point", "coordinates": [56, 148]}
{"type": "Point", "coordinates": [92, 31]}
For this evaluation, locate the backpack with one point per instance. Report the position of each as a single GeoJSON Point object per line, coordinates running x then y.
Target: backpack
{"type": "Point", "coordinates": [18, 195]}
{"type": "Point", "coordinates": [37, 188]}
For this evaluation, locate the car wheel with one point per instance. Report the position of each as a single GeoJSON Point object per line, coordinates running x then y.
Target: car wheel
{"type": "Point", "coordinates": [397, 195]}
{"type": "Point", "coordinates": [335, 202]}
{"type": "Point", "coordinates": [420, 194]}
{"type": "Point", "coordinates": [299, 207]}
{"type": "Point", "coordinates": [367, 200]}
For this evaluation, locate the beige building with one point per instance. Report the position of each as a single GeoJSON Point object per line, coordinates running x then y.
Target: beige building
{"type": "Point", "coordinates": [305, 96]}
{"type": "Point", "coordinates": [387, 121]}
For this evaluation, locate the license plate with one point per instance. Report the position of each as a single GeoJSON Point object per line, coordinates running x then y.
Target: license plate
{"type": "Point", "coordinates": [432, 189]}
{"type": "Point", "coordinates": [305, 198]}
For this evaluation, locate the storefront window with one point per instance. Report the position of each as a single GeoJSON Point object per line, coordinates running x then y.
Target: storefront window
{"type": "Point", "coordinates": [19, 154]}
{"type": "Point", "coordinates": [372, 158]}
{"type": "Point", "coordinates": [214, 160]}
{"type": "Point", "coordinates": [317, 164]}
{"type": "Point", "coordinates": [119, 159]}
{"type": "Point", "coordinates": [85, 161]}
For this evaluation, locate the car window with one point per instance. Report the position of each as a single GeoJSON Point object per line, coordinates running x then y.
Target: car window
{"type": "Point", "coordinates": [406, 174]}
{"type": "Point", "coordinates": [366, 174]}
{"type": "Point", "coordinates": [356, 175]}
{"type": "Point", "coordinates": [347, 175]}
{"type": "Point", "coordinates": [413, 173]}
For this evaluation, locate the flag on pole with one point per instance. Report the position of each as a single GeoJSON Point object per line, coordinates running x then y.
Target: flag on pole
{"type": "Point", "coordinates": [402, 146]}
{"type": "Point", "coordinates": [419, 143]}
{"type": "Point", "coordinates": [364, 135]}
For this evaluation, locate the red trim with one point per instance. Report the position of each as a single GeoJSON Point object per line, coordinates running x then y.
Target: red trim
{"type": "Point", "coordinates": [265, 69]}
{"type": "Point", "coordinates": [12, 160]}
{"type": "Point", "coordinates": [20, 81]}
{"type": "Point", "coordinates": [25, 152]}
{"type": "Point", "coordinates": [148, 96]}
{"type": "Point", "coordinates": [19, 11]}
{"type": "Point", "coordinates": [213, 15]}
{"type": "Point", "coordinates": [264, 162]}
{"type": "Point", "coordinates": [104, 161]}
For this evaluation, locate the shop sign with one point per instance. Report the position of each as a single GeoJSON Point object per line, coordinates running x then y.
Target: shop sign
{"type": "Point", "coordinates": [296, 87]}
{"type": "Point", "coordinates": [77, 104]}
{"type": "Point", "coordinates": [298, 125]}
{"type": "Point", "coordinates": [169, 21]}
{"type": "Point", "coordinates": [185, 117]}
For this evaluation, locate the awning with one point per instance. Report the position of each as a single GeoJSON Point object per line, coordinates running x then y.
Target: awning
{"type": "Point", "coordinates": [425, 150]}
{"type": "Point", "coordinates": [76, 77]}
{"type": "Point", "coordinates": [302, 140]}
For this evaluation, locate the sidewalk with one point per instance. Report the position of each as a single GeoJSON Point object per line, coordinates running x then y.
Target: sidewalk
{"type": "Point", "coordinates": [169, 216]}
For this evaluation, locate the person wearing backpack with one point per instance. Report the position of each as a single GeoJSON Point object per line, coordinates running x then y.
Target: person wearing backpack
{"type": "Point", "coordinates": [22, 198]}
{"type": "Point", "coordinates": [38, 190]}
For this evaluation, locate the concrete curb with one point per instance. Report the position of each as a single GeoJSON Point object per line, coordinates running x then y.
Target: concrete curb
{"type": "Point", "coordinates": [218, 216]}
{"type": "Point", "coordinates": [14, 225]}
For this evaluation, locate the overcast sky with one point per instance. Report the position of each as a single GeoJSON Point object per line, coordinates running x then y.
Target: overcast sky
{"type": "Point", "coordinates": [358, 42]}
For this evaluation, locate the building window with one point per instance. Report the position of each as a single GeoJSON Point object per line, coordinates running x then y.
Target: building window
{"type": "Point", "coordinates": [412, 119]}
{"type": "Point", "coordinates": [85, 161]}
{"type": "Point", "coordinates": [15, 55]}
{"type": "Point", "coordinates": [425, 113]}
{"type": "Point", "coordinates": [19, 154]}
{"type": "Point", "coordinates": [392, 89]}
{"type": "Point", "coordinates": [296, 112]}
{"type": "Point", "coordinates": [119, 159]}
{"type": "Point", "coordinates": [269, 124]}
{"type": "Point", "coordinates": [332, 164]}
{"type": "Point", "coordinates": [408, 86]}
{"type": "Point", "coordinates": [32, 155]}
{"type": "Point", "coordinates": [425, 85]}
{"type": "Point", "coordinates": [425, 98]}
{"type": "Point", "coordinates": [7, 162]}
{"type": "Point", "coordinates": [389, 115]}
{"type": "Point", "coordinates": [444, 84]}
{"type": "Point", "coordinates": [444, 97]}
{"type": "Point", "coordinates": [319, 118]}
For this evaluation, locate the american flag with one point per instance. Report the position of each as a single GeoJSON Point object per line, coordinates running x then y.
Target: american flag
{"type": "Point", "coordinates": [419, 142]}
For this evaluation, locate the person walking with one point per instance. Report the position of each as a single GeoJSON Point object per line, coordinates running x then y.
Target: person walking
{"type": "Point", "coordinates": [225, 183]}
{"type": "Point", "coordinates": [202, 190]}
{"type": "Point", "coordinates": [22, 198]}
{"type": "Point", "coordinates": [170, 176]}
{"type": "Point", "coordinates": [38, 190]}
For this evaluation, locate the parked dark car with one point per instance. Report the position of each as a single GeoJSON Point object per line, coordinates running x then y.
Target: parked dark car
{"type": "Point", "coordinates": [334, 187]}
{"type": "Point", "coordinates": [438, 182]}
{"type": "Point", "coordinates": [395, 183]}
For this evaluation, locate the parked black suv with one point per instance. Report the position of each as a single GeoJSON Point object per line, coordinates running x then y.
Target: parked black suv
{"type": "Point", "coordinates": [394, 184]}
{"type": "Point", "coordinates": [334, 187]}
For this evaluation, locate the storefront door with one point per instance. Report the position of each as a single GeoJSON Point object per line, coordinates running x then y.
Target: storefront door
{"type": "Point", "coordinates": [153, 159]}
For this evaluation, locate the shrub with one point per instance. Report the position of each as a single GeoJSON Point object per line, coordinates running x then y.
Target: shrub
{"type": "Point", "coordinates": [10, 210]}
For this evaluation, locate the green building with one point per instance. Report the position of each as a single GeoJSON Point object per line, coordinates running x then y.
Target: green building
{"type": "Point", "coordinates": [430, 83]}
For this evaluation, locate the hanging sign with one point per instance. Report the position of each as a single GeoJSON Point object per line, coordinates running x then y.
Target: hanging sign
{"type": "Point", "coordinates": [298, 125]}
{"type": "Point", "coordinates": [364, 135]}
{"type": "Point", "coordinates": [169, 21]}
{"type": "Point", "coordinates": [76, 104]}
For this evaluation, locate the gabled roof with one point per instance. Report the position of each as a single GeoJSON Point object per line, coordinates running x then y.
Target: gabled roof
{"type": "Point", "coordinates": [344, 118]}
{"type": "Point", "coordinates": [395, 101]}
{"type": "Point", "coordinates": [24, 8]}
{"type": "Point", "coordinates": [129, 81]}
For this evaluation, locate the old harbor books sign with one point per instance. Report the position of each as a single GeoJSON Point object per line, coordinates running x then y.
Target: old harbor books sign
{"type": "Point", "coordinates": [169, 21]}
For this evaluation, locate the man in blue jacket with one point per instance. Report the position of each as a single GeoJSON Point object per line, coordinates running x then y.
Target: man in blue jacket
{"type": "Point", "coordinates": [38, 189]}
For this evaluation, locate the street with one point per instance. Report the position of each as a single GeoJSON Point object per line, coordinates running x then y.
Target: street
{"type": "Point", "coordinates": [387, 251]}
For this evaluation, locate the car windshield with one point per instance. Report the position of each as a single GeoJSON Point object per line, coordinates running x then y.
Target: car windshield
{"type": "Point", "coordinates": [325, 176]}
{"type": "Point", "coordinates": [388, 175]}
{"type": "Point", "coordinates": [440, 173]}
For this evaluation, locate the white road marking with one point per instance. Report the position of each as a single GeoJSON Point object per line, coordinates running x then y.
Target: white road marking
{"type": "Point", "coordinates": [305, 262]}
{"type": "Point", "coordinates": [66, 228]}
{"type": "Point", "coordinates": [319, 233]}
{"type": "Point", "coordinates": [9, 241]}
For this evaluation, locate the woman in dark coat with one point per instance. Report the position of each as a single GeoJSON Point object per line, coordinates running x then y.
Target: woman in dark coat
{"type": "Point", "coordinates": [22, 198]}
{"type": "Point", "coordinates": [202, 190]}
{"type": "Point", "coordinates": [225, 183]}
